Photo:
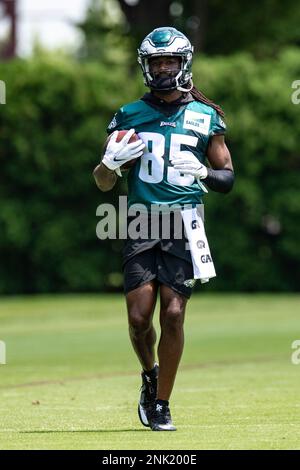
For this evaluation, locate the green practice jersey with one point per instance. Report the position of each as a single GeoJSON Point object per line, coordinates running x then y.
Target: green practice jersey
{"type": "Point", "coordinates": [153, 180]}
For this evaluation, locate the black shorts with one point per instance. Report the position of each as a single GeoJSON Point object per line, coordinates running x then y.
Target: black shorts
{"type": "Point", "coordinates": [166, 260]}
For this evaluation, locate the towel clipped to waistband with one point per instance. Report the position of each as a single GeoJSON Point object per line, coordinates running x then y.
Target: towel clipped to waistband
{"type": "Point", "coordinates": [200, 253]}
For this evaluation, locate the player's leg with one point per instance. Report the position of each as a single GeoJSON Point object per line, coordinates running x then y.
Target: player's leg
{"type": "Point", "coordinates": [141, 292]}
{"type": "Point", "coordinates": [172, 311]}
{"type": "Point", "coordinates": [140, 307]}
{"type": "Point", "coordinates": [169, 353]}
{"type": "Point", "coordinates": [176, 278]}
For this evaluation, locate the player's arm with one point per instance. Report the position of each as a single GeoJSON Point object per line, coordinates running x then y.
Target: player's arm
{"type": "Point", "coordinates": [104, 177]}
{"type": "Point", "coordinates": [116, 153]}
{"type": "Point", "coordinates": [220, 177]}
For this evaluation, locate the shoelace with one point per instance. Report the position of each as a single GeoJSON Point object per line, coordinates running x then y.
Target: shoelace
{"type": "Point", "coordinates": [161, 414]}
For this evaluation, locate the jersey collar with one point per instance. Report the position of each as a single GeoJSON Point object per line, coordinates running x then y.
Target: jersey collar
{"type": "Point", "coordinates": [164, 107]}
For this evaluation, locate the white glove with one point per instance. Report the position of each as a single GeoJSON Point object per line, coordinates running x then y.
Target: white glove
{"type": "Point", "coordinates": [118, 153]}
{"type": "Point", "coordinates": [188, 164]}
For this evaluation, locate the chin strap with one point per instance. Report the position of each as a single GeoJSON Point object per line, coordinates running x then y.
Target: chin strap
{"type": "Point", "coordinates": [186, 90]}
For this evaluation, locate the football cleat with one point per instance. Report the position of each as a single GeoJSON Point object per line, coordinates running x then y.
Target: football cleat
{"type": "Point", "coordinates": [160, 418]}
{"type": "Point", "coordinates": [148, 395]}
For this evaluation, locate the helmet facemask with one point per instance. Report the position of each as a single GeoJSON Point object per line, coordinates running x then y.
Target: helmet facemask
{"type": "Point", "coordinates": [172, 44]}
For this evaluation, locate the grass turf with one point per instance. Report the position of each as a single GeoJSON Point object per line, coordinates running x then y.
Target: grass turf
{"type": "Point", "coordinates": [71, 380]}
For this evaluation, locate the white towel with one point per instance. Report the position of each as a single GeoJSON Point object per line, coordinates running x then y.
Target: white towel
{"type": "Point", "coordinates": [202, 261]}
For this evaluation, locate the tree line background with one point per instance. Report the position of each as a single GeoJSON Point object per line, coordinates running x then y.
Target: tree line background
{"type": "Point", "coordinates": [53, 127]}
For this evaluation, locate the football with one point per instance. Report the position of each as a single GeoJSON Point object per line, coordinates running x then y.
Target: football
{"type": "Point", "coordinates": [133, 138]}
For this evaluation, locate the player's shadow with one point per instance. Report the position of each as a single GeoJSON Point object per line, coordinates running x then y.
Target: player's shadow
{"type": "Point", "coordinates": [82, 431]}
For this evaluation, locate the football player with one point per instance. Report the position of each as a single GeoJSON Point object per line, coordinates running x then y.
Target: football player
{"type": "Point", "coordinates": [181, 146]}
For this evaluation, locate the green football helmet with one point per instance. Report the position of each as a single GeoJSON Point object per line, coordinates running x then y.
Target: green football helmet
{"type": "Point", "coordinates": [166, 41]}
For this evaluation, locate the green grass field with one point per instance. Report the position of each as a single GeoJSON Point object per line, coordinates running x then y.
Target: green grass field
{"type": "Point", "coordinates": [71, 380]}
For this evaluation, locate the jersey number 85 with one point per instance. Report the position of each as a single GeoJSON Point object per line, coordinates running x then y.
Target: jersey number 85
{"type": "Point", "coordinates": [153, 164]}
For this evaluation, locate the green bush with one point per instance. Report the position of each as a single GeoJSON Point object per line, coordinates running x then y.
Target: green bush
{"type": "Point", "coordinates": [52, 129]}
